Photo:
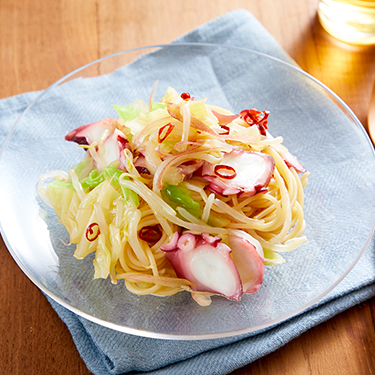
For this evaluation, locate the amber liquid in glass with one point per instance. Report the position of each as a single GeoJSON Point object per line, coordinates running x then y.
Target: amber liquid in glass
{"type": "Point", "coordinates": [351, 21]}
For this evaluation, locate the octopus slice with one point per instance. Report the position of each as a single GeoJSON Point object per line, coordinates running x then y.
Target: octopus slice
{"type": "Point", "coordinates": [108, 141]}
{"type": "Point", "coordinates": [90, 133]}
{"type": "Point", "coordinates": [249, 263]}
{"type": "Point", "coordinates": [290, 160]}
{"type": "Point", "coordinates": [112, 149]}
{"type": "Point", "coordinates": [250, 172]}
{"type": "Point", "coordinates": [205, 261]}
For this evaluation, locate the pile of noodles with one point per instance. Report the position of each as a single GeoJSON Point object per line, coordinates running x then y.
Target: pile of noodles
{"type": "Point", "coordinates": [128, 216]}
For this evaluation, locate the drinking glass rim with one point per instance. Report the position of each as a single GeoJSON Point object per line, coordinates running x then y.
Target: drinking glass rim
{"type": "Point", "coordinates": [361, 3]}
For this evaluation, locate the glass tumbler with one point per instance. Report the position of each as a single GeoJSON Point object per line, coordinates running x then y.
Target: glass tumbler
{"type": "Point", "coordinates": [351, 21]}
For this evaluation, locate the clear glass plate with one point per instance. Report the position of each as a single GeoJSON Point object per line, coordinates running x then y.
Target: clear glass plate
{"type": "Point", "coordinates": [316, 125]}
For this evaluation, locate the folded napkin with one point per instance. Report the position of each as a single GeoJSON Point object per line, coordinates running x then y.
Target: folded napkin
{"type": "Point", "coordinates": [110, 352]}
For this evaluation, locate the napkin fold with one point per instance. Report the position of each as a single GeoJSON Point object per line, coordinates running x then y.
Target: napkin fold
{"type": "Point", "coordinates": [110, 352]}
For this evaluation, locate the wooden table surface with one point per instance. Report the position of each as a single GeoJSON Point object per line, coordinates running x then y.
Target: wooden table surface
{"type": "Point", "coordinates": [41, 41]}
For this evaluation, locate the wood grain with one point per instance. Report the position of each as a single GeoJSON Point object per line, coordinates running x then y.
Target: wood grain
{"type": "Point", "coordinates": [40, 41]}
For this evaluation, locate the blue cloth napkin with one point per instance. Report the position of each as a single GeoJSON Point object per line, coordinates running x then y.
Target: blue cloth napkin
{"type": "Point", "coordinates": [110, 352]}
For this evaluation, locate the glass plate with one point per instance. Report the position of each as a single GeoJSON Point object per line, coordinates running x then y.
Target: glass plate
{"type": "Point", "coordinates": [316, 125]}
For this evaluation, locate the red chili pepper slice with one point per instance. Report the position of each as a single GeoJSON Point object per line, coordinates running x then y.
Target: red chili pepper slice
{"type": "Point", "coordinates": [226, 130]}
{"type": "Point", "coordinates": [185, 96]}
{"type": "Point", "coordinates": [162, 134]}
{"type": "Point", "coordinates": [92, 232]}
{"type": "Point", "coordinates": [255, 117]}
{"type": "Point", "coordinates": [151, 234]}
{"type": "Point", "coordinates": [225, 171]}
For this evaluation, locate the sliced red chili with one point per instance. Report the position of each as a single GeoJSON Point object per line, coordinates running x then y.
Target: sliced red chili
{"type": "Point", "coordinates": [150, 234]}
{"type": "Point", "coordinates": [185, 96]}
{"type": "Point", "coordinates": [225, 171]}
{"type": "Point", "coordinates": [255, 117]}
{"type": "Point", "coordinates": [262, 128]}
{"type": "Point", "coordinates": [226, 130]}
{"type": "Point", "coordinates": [164, 131]}
{"type": "Point", "coordinates": [92, 232]}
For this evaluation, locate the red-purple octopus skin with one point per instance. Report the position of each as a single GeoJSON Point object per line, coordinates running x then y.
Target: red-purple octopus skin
{"type": "Point", "coordinates": [291, 161]}
{"type": "Point", "coordinates": [113, 143]}
{"type": "Point", "coordinates": [253, 171]}
{"type": "Point", "coordinates": [205, 261]}
{"type": "Point", "coordinates": [250, 264]}
{"type": "Point", "coordinates": [90, 133]}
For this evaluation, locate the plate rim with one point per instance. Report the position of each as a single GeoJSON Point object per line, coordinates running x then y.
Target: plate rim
{"type": "Point", "coordinates": [187, 337]}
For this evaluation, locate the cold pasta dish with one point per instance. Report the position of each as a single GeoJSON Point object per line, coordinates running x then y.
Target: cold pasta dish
{"type": "Point", "coordinates": [179, 195]}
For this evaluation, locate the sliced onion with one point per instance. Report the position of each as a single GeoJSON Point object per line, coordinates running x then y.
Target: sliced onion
{"type": "Point", "coordinates": [186, 120]}
{"type": "Point", "coordinates": [207, 207]}
{"type": "Point", "coordinates": [154, 87]}
{"type": "Point", "coordinates": [175, 159]}
{"type": "Point", "coordinates": [138, 138]}
{"type": "Point", "coordinates": [197, 124]}
{"type": "Point", "coordinates": [224, 119]}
